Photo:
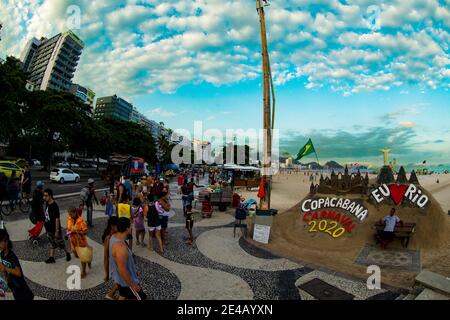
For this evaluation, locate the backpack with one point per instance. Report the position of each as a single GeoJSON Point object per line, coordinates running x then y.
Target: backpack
{"type": "Point", "coordinates": [84, 194]}
{"type": "Point", "coordinates": [35, 207]}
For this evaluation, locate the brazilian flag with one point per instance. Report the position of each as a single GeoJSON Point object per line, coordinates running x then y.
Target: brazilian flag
{"type": "Point", "coordinates": [308, 148]}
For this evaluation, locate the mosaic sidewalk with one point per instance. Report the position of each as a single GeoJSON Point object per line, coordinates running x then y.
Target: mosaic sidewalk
{"type": "Point", "coordinates": [216, 266]}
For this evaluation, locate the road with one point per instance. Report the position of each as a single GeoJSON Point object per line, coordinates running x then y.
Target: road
{"type": "Point", "coordinates": [66, 194]}
{"type": "Point", "coordinates": [68, 187]}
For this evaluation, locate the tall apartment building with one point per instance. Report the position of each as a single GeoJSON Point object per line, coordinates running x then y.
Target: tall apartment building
{"type": "Point", "coordinates": [153, 127]}
{"type": "Point", "coordinates": [51, 63]}
{"type": "Point", "coordinates": [113, 107]}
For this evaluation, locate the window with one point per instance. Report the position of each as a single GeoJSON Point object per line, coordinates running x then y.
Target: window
{"type": "Point", "coordinates": [67, 171]}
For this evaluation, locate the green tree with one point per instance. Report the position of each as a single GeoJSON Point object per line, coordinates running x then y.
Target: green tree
{"type": "Point", "coordinates": [12, 97]}
{"type": "Point", "coordinates": [128, 138]}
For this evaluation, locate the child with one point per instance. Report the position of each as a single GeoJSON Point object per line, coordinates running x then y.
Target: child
{"type": "Point", "coordinates": [138, 220]}
{"type": "Point", "coordinates": [189, 224]}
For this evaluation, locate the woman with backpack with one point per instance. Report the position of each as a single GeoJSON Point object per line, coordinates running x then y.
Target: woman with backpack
{"type": "Point", "coordinates": [137, 212]}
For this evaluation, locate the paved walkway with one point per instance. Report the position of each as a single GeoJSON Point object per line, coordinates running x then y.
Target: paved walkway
{"type": "Point", "coordinates": [216, 266]}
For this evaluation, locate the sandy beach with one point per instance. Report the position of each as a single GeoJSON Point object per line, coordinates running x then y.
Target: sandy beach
{"type": "Point", "coordinates": [289, 189]}
{"type": "Point", "coordinates": [290, 239]}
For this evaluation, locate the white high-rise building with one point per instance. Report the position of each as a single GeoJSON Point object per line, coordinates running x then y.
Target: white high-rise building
{"type": "Point", "coordinates": [51, 63]}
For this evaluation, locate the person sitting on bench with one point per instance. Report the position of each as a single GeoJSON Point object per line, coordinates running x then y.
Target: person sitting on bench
{"type": "Point", "coordinates": [387, 235]}
{"type": "Point", "coordinates": [207, 208]}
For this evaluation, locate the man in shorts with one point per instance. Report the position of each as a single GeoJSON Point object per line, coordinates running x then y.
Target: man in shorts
{"type": "Point", "coordinates": [53, 227]}
{"type": "Point", "coordinates": [122, 266]}
{"type": "Point", "coordinates": [387, 235]}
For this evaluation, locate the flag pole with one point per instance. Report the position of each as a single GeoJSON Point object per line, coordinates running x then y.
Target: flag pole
{"type": "Point", "coordinates": [266, 177]}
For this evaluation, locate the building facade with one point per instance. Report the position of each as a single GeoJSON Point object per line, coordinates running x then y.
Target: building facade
{"type": "Point", "coordinates": [51, 63]}
{"type": "Point", "coordinates": [113, 107]}
{"type": "Point", "coordinates": [85, 94]}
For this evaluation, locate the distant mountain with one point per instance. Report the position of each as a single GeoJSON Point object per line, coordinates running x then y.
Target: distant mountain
{"type": "Point", "coordinates": [312, 165]}
{"type": "Point", "coordinates": [333, 165]}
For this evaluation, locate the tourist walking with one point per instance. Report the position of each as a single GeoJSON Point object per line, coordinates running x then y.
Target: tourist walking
{"type": "Point", "coordinates": [88, 198]}
{"type": "Point", "coordinates": [122, 266]}
{"type": "Point", "coordinates": [11, 270]}
{"type": "Point", "coordinates": [76, 231]}
{"type": "Point", "coordinates": [111, 228]}
{"type": "Point", "coordinates": [53, 227]}
{"type": "Point", "coordinates": [37, 215]}
{"type": "Point", "coordinates": [153, 226]}
{"type": "Point", "coordinates": [189, 224]}
{"type": "Point", "coordinates": [26, 182]}
{"type": "Point", "coordinates": [163, 207]}
{"type": "Point", "coordinates": [124, 211]}
{"type": "Point", "coordinates": [137, 212]}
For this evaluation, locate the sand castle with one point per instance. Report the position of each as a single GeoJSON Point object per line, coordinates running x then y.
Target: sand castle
{"type": "Point", "coordinates": [316, 236]}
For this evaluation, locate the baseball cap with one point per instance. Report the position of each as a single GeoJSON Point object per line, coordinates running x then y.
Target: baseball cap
{"type": "Point", "coordinates": [90, 180]}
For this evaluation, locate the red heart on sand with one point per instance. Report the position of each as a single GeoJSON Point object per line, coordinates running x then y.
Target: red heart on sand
{"type": "Point", "coordinates": [397, 192]}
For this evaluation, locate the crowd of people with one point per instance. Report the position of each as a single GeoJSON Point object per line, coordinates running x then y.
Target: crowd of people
{"type": "Point", "coordinates": [138, 211]}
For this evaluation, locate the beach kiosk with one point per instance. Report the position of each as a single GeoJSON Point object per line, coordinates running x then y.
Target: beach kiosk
{"type": "Point", "coordinates": [241, 176]}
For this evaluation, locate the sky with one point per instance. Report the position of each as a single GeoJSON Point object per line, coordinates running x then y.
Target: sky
{"type": "Point", "coordinates": [355, 76]}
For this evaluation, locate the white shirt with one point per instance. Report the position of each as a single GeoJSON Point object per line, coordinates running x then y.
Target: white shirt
{"type": "Point", "coordinates": [390, 222]}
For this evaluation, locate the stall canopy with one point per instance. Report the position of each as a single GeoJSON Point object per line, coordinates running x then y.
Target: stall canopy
{"type": "Point", "coordinates": [240, 168]}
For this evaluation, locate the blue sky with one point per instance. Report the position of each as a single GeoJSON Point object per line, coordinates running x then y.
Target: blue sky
{"type": "Point", "coordinates": [351, 79]}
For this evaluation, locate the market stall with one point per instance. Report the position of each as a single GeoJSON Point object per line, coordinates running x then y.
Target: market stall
{"type": "Point", "coordinates": [241, 176]}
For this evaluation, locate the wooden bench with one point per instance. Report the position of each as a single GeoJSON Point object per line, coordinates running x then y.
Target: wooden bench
{"type": "Point", "coordinates": [403, 232]}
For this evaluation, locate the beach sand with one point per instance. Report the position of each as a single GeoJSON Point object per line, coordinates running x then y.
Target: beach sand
{"type": "Point", "coordinates": [291, 239]}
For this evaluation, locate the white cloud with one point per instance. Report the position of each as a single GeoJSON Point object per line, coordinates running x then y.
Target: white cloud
{"type": "Point", "coordinates": [407, 124]}
{"type": "Point", "coordinates": [160, 112]}
{"type": "Point", "coordinates": [136, 47]}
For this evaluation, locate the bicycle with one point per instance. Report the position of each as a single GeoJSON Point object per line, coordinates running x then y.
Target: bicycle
{"type": "Point", "coordinates": [23, 203]}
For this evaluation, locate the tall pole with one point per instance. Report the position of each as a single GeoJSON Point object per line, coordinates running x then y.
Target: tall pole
{"type": "Point", "coordinates": [265, 201]}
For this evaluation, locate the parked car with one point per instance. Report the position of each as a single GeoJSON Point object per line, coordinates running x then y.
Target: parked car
{"type": "Point", "coordinates": [22, 163]}
{"type": "Point", "coordinates": [87, 164]}
{"type": "Point", "coordinates": [35, 162]}
{"type": "Point", "coordinates": [65, 164]}
{"type": "Point", "coordinates": [7, 167]}
{"type": "Point", "coordinates": [62, 175]}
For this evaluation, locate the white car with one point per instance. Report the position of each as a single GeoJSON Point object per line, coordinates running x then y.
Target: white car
{"type": "Point", "coordinates": [62, 175]}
